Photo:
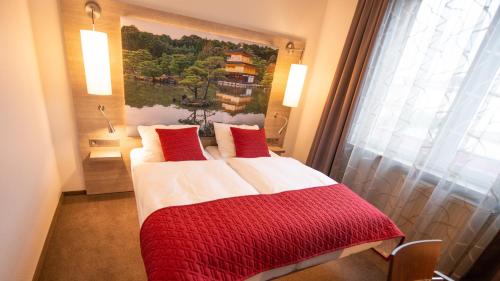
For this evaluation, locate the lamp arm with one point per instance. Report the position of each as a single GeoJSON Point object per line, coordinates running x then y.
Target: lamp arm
{"type": "Point", "coordinates": [280, 131]}
{"type": "Point", "coordinates": [111, 129]}
{"type": "Point", "coordinates": [290, 46]}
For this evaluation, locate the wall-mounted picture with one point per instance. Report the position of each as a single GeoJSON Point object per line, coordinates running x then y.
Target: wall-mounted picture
{"type": "Point", "coordinates": [179, 76]}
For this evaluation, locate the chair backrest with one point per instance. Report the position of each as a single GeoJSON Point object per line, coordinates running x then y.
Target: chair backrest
{"type": "Point", "coordinates": [414, 261]}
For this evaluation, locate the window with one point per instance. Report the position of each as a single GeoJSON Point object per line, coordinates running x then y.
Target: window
{"type": "Point", "coordinates": [431, 96]}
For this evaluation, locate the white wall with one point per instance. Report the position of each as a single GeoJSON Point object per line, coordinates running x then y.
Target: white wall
{"type": "Point", "coordinates": [47, 31]}
{"type": "Point", "coordinates": [290, 17]}
{"type": "Point", "coordinates": [30, 185]}
{"type": "Point", "coordinates": [305, 118]}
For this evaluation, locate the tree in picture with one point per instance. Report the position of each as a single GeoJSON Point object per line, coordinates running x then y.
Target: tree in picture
{"type": "Point", "coordinates": [170, 72]}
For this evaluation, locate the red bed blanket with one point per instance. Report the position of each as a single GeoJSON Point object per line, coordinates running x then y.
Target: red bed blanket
{"type": "Point", "coordinates": [236, 238]}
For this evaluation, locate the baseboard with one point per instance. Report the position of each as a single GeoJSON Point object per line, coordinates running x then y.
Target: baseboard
{"type": "Point", "coordinates": [75, 192]}
{"type": "Point", "coordinates": [41, 259]}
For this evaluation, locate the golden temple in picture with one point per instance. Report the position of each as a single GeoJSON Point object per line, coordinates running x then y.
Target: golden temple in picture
{"type": "Point", "coordinates": [235, 92]}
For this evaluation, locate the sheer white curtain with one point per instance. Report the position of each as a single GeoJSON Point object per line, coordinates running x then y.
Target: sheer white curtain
{"type": "Point", "coordinates": [424, 146]}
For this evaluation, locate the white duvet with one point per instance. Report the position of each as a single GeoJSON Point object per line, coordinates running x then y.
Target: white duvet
{"type": "Point", "coordinates": [163, 184]}
{"type": "Point", "coordinates": [276, 174]}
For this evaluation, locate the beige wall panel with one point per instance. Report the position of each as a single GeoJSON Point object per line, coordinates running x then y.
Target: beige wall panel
{"type": "Point", "coordinates": [89, 121]}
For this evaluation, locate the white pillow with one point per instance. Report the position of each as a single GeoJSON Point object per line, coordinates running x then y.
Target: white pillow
{"type": "Point", "coordinates": [225, 140]}
{"type": "Point", "coordinates": [151, 141]}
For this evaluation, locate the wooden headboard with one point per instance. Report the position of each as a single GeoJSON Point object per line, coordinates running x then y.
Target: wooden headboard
{"type": "Point", "coordinates": [89, 121]}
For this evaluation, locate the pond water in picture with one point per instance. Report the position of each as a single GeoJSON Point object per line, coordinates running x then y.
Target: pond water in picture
{"type": "Point", "coordinates": [150, 103]}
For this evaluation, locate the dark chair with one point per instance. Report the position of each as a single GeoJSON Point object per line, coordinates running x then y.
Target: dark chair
{"type": "Point", "coordinates": [416, 261]}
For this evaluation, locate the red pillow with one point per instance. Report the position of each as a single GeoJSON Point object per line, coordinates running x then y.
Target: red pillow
{"type": "Point", "coordinates": [180, 144]}
{"type": "Point", "coordinates": [250, 143]}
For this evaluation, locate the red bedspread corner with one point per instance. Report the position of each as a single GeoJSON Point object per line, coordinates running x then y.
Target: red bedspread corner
{"type": "Point", "coordinates": [236, 238]}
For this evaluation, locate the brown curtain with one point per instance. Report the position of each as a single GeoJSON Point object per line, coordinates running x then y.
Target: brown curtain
{"type": "Point", "coordinates": [487, 266]}
{"type": "Point", "coordinates": [339, 107]}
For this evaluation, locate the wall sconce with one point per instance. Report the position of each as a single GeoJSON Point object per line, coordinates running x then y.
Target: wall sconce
{"type": "Point", "coordinates": [95, 52]}
{"type": "Point", "coordinates": [96, 55]}
{"type": "Point", "coordinates": [294, 85]}
{"type": "Point", "coordinates": [296, 78]}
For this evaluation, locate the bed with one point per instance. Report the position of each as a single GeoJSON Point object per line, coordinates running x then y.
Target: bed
{"type": "Point", "coordinates": [168, 194]}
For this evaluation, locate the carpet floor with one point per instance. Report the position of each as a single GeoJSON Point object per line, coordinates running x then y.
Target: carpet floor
{"type": "Point", "coordinates": [97, 238]}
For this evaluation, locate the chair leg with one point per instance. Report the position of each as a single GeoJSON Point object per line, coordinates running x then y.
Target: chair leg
{"type": "Point", "coordinates": [440, 276]}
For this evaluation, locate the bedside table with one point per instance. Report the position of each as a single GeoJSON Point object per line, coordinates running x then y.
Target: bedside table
{"type": "Point", "coordinates": [276, 149]}
{"type": "Point", "coordinates": [105, 172]}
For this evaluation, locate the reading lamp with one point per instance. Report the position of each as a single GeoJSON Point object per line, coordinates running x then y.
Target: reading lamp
{"type": "Point", "coordinates": [95, 52]}
{"type": "Point", "coordinates": [295, 83]}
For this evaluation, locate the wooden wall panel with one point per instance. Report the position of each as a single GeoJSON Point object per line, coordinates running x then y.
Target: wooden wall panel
{"type": "Point", "coordinates": [89, 121]}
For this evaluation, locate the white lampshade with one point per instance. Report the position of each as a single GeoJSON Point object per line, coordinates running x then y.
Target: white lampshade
{"type": "Point", "coordinates": [295, 84]}
{"type": "Point", "coordinates": [96, 62]}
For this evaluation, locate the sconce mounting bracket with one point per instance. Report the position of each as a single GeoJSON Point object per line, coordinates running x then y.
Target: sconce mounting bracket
{"type": "Point", "coordinates": [92, 10]}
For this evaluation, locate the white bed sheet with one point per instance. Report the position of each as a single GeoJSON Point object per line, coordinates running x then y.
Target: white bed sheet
{"type": "Point", "coordinates": [277, 174]}
{"type": "Point", "coordinates": [274, 174]}
{"type": "Point", "coordinates": [214, 152]}
{"type": "Point", "coordinates": [163, 184]}
{"type": "Point", "coordinates": [280, 271]}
